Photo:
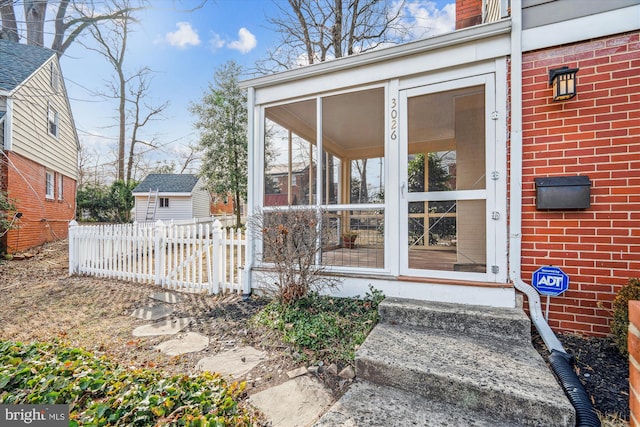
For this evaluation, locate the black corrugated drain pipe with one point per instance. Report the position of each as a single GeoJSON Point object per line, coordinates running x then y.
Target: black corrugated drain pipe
{"type": "Point", "coordinates": [561, 365]}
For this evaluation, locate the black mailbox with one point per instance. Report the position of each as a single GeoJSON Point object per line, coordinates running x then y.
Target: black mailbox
{"type": "Point", "coordinates": [563, 192]}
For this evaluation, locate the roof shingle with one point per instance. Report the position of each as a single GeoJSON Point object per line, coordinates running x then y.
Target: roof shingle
{"type": "Point", "coordinates": [18, 61]}
{"type": "Point", "coordinates": [167, 183]}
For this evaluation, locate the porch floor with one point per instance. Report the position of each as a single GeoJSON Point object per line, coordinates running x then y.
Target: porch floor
{"type": "Point", "coordinates": [422, 259]}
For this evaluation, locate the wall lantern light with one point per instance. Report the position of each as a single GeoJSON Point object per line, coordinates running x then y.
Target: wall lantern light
{"type": "Point", "coordinates": [564, 83]}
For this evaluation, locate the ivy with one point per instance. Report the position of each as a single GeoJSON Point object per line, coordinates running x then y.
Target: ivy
{"type": "Point", "coordinates": [102, 393]}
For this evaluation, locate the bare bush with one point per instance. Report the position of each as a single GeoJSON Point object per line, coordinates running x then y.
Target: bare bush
{"type": "Point", "coordinates": [291, 244]}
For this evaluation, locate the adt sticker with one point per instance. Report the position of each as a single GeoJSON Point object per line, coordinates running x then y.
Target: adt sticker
{"type": "Point", "coordinates": [550, 281]}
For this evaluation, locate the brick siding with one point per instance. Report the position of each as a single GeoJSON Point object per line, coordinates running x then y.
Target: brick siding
{"type": "Point", "coordinates": [468, 13]}
{"type": "Point", "coordinates": [43, 220]}
{"type": "Point", "coordinates": [597, 134]}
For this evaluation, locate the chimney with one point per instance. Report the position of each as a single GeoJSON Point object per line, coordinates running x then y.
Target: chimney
{"type": "Point", "coordinates": [468, 13]}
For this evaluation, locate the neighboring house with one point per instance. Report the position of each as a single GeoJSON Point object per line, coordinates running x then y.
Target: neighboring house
{"type": "Point", "coordinates": [39, 157]}
{"type": "Point", "coordinates": [479, 97]}
{"type": "Point", "coordinates": [283, 191]}
{"type": "Point", "coordinates": [170, 196]}
{"type": "Point", "coordinates": [223, 205]}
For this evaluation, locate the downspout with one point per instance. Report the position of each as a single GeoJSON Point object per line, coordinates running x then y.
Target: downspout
{"type": "Point", "coordinates": [515, 184]}
{"type": "Point", "coordinates": [560, 361]}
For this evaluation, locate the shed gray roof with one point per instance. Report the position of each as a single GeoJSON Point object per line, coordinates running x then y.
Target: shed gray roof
{"type": "Point", "coordinates": [167, 183]}
{"type": "Point", "coordinates": [18, 61]}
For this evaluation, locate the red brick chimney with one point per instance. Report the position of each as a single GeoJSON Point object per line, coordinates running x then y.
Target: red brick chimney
{"type": "Point", "coordinates": [468, 13]}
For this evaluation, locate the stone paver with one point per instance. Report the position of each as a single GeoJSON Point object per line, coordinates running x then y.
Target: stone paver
{"type": "Point", "coordinates": [235, 363]}
{"type": "Point", "coordinates": [168, 297]}
{"type": "Point", "coordinates": [296, 403]}
{"type": "Point", "coordinates": [188, 343]}
{"type": "Point", "coordinates": [165, 327]}
{"type": "Point", "coordinates": [152, 312]}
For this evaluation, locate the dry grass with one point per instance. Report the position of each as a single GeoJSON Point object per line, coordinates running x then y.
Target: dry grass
{"type": "Point", "coordinates": [609, 420]}
{"type": "Point", "coordinates": [40, 302]}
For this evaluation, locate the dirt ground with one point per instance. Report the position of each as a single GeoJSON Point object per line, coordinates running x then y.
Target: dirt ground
{"type": "Point", "coordinates": [41, 302]}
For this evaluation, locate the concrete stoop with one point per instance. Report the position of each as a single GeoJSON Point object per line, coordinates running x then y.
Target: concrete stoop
{"type": "Point", "coordinates": [438, 364]}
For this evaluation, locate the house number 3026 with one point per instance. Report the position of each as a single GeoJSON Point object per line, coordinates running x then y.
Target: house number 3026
{"type": "Point", "coordinates": [394, 119]}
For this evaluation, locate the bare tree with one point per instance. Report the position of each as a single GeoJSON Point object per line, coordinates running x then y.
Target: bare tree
{"type": "Point", "coordinates": [72, 19]}
{"type": "Point", "coordinates": [34, 13]}
{"type": "Point", "coordinates": [129, 90]}
{"type": "Point", "coordinates": [112, 44]}
{"type": "Point", "coordinates": [189, 157]}
{"type": "Point", "coordinates": [9, 23]}
{"type": "Point", "coordinates": [142, 113]}
{"type": "Point", "coordinates": [318, 30]}
{"type": "Point", "coordinates": [363, 192]}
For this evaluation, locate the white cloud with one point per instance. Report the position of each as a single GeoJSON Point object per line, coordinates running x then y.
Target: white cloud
{"type": "Point", "coordinates": [184, 36]}
{"type": "Point", "coordinates": [426, 20]}
{"type": "Point", "coordinates": [216, 42]}
{"type": "Point", "coordinates": [245, 43]}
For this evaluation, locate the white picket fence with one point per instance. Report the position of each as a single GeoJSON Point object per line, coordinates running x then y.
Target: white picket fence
{"type": "Point", "coordinates": [192, 257]}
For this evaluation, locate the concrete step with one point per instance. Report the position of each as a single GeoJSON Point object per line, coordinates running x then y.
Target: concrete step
{"type": "Point", "coordinates": [480, 321]}
{"type": "Point", "coordinates": [370, 405]}
{"type": "Point", "coordinates": [445, 364]}
{"type": "Point", "coordinates": [502, 377]}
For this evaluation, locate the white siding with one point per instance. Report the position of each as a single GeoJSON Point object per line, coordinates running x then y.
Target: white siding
{"type": "Point", "coordinates": [200, 196]}
{"type": "Point", "coordinates": [30, 133]}
{"type": "Point", "coordinates": [179, 208]}
{"type": "Point", "coordinates": [140, 208]}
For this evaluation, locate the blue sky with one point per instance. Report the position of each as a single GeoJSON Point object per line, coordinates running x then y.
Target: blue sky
{"type": "Point", "coordinates": [184, 48]}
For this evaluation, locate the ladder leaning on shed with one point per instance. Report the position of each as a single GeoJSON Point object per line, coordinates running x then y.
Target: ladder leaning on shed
{"type": "Point", "coordinates": [152, 203]}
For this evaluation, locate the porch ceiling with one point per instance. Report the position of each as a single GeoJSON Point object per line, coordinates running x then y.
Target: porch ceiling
{"type": "Point", "coordinates": [354, 124]}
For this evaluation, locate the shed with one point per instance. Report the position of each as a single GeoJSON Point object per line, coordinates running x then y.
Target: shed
{"type": "Point", "coordinates": [170, 197]}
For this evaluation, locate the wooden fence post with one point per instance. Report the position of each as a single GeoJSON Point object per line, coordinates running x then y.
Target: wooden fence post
{"type": "Point", "coordinates": [158, 251]}
{"type": "Point", "coordinates": [217, 260]}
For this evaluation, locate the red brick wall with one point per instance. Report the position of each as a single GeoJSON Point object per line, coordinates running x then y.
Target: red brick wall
{"type": "Point", "coordinates": [597, 134]}
{"type": "Point", "coordinates": [633, 344]}
{"type": "Point", "coordinates": [219, 207]}
{"type": "Point", "coordinates": [43, 220]}
{"type": "Point", "coordinates": [468, 13]}
{"type": "Point", "coordinates": [3, 170]}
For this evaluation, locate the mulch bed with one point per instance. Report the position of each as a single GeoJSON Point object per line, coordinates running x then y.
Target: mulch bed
{"type": "Point", "coordinates": [601, 368]}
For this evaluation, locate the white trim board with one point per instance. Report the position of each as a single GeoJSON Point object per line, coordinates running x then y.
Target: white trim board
{"type": "Point", "coordinates": [580, 29]}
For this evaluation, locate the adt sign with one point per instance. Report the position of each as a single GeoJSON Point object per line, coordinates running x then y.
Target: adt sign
{"type": "Point", "coordinates": [550, 281]}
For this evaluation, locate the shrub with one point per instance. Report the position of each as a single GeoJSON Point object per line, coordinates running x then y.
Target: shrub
{"type": "Point", "coordinates": [322, 327]}
{"type": "Point", "coordinates": [290, 241]}
{"type": "Point", "coordinates": [102, 393]}
{"type": "Point", "coordinates": [620, 322]}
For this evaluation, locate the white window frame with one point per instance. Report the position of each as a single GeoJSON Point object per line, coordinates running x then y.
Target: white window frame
{"type": "Point", "coordinates": [48, 185]}
{"type": "Point", "coordinates": [164, 202]}
{"type": "Point", "coordinates": [55, 78]}
{"type": "Point", "coordinates": [60, 186]}
{"type": "Point", "coordinates": [53, 118]}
